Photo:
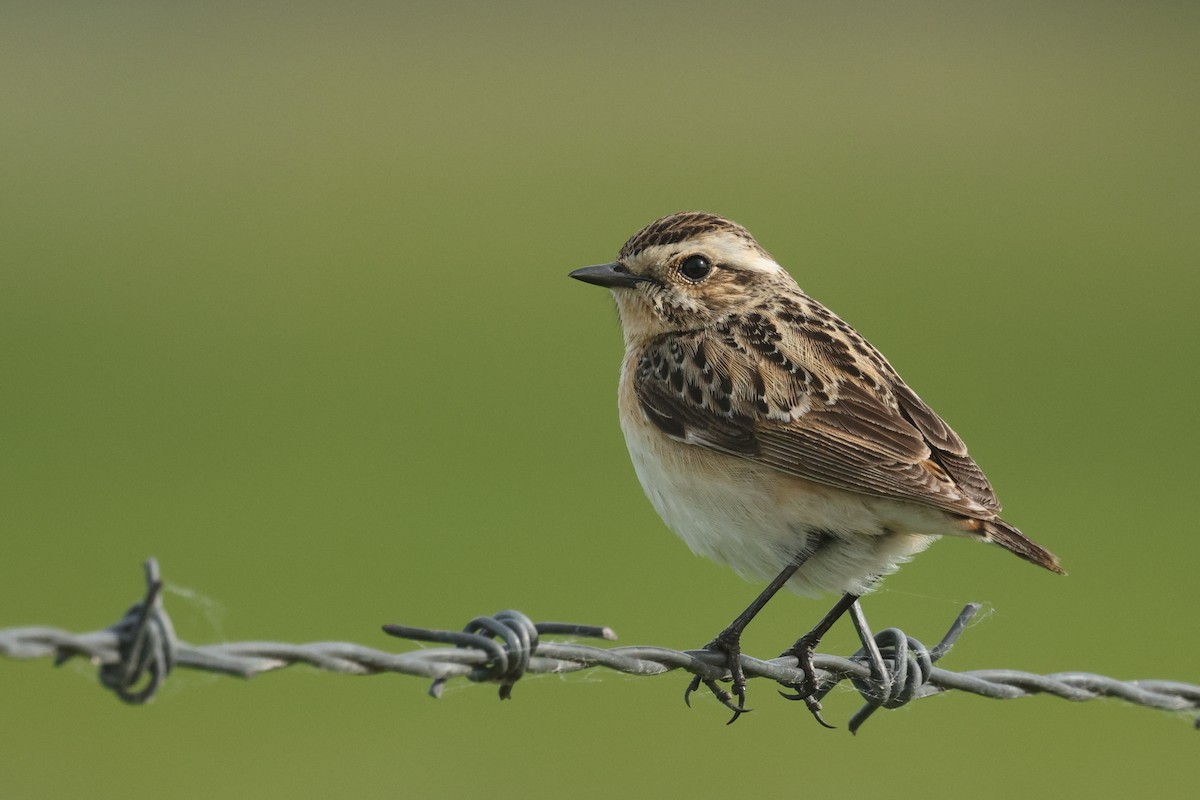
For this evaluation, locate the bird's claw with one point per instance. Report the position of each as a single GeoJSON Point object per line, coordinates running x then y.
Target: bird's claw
{"type": "Point", "coordinates": [813, 705]}
{"type": "Point", "coordinates": [734, 700]}
{"type": "Point", "coordinates": [802, 650]}
{"type": "Point", "coordinates": [726, 698]}
{"type": "Point", "coordinates": [807, 687]}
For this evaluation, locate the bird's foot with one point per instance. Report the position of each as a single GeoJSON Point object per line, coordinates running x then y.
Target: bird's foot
{"type": "Point", "coordinates": [728, 643]}
{"type": "Point", "coordinates": [807, 687]}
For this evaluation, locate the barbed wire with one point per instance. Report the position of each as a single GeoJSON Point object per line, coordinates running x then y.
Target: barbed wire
{"type": "Point", "coordinates": [136, 655]}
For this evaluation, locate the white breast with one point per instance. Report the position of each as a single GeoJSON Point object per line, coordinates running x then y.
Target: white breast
{"type": "Point", "coordinates": [756, 519]}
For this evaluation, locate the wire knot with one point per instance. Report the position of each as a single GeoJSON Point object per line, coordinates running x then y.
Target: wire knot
{"type": "Point", "coordinates": [145, 643]}
{"type": "Point", "coordinates": [900, 665]}
{"type": "Point", "coordinates": [906, 667]}
{"type": "Point", "coordinates": [506, 659]}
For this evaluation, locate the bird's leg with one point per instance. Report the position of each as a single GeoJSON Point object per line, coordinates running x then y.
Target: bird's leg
{"type": "Point", "coordinates": [803, 651]}
{"type": "Point", "coordinates": [729, 642]}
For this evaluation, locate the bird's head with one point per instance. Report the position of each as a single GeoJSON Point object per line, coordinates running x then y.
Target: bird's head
{"type": "Point", "coordinates": [684, 272]}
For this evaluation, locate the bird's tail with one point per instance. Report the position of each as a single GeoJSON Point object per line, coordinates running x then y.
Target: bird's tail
{"type": "Point", "coordinates": [998, 531]}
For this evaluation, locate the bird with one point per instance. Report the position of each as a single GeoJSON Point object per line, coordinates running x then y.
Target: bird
{"type": "Point", "coordinates": [773, 438]}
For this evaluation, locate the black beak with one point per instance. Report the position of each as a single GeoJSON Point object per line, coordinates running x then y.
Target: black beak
{"type": "Point", "coordinates": [613, 276]}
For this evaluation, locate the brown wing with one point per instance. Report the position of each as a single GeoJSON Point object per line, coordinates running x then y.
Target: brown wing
{"type": "Point", "coordinates": [948, 450]}
{"type": "Point", "coordinates": [751, 390]}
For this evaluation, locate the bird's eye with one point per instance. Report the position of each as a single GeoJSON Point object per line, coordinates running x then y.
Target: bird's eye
{"type": "Point", "coordinates": [695, 268]}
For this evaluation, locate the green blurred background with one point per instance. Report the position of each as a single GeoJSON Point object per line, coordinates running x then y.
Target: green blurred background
{"type": "Point", "coordinates": [283, 302]}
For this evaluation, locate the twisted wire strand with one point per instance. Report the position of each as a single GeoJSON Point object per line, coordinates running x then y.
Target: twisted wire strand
{"type": "Point", "coordinates": [136, 655]}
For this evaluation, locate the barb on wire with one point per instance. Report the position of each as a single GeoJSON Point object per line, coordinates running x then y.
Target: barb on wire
{"type": "Point", "coordinates": [141, 649]}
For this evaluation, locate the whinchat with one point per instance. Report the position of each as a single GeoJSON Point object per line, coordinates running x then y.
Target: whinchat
{"type": "Point", "coordinates": [772, 437]}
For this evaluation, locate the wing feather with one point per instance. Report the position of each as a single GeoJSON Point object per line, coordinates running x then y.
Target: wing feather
{"type": "Point", "coordinates": [748, 389]}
